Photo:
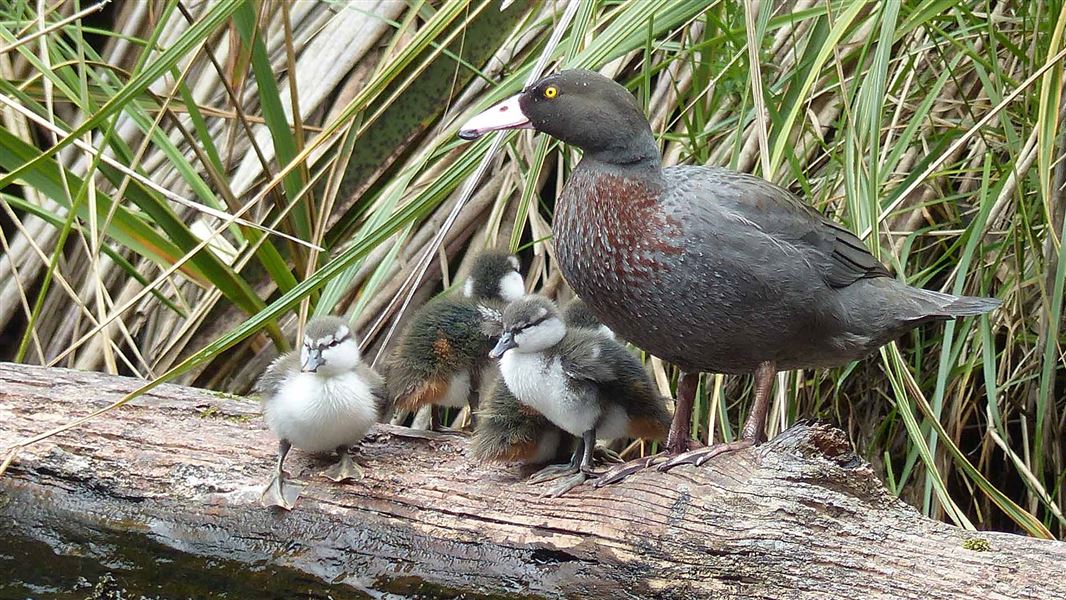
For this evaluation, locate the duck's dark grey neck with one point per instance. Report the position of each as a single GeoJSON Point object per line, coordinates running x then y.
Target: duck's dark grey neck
{"type": "Point", "coordinates": [647, 170]}
{"type": "Point", "coordinates": [633, 149]}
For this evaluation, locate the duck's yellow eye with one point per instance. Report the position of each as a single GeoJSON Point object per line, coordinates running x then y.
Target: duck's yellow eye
{"type": "Point", "coordinates": [550, 92]}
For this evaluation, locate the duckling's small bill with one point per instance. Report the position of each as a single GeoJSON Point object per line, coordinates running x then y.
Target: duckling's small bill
{"type": "Point", "coordinates": [505, 343]}
{"type": "Point", "coordinates": [312, 360]}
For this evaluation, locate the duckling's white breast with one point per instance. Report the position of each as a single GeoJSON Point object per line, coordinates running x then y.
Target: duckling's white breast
{"type": "Point", "coordinates": [541, 383]}
{"type": "Point", "coordinates": [318, 413]}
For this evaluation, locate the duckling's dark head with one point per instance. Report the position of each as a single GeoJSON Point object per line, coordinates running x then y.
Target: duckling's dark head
{"type": "Point", "coordinates": [495, 276]}
{"type": "Point", "coordinates": [328, 347]}
{"type": "Point", "coordinates": [577, 314]}
{"type": "Point", "coordinates": [530, 324]}
{"type": "Point", "coordinates": [581, 108]}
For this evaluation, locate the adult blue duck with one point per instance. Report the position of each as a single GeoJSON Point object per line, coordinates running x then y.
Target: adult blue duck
{"type": "Point", "coordinates": [707, 268]}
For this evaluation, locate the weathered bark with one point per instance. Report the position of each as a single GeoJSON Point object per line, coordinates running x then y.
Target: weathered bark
{"type": "Point", "coordinates": [181, 469]}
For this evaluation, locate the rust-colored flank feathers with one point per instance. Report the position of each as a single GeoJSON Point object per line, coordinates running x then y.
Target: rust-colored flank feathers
{"type": "Point", "coordinates": [442, 348]}
{"type": "Point", "coordinates": [615, 228]}
{"type": "Point", "coordinates": [647, 428]}
{"type": "Point", "coordinates": [427, 392]}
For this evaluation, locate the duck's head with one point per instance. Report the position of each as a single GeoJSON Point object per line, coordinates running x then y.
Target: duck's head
{"type": "Point", "coordinates": [328, 347]}
{"type": "Point", "coordinates": [530, 324]}
{"type": "Point", "coordinates": [581, 108]}
{"type": "Point", "coordinates": [495, 276]}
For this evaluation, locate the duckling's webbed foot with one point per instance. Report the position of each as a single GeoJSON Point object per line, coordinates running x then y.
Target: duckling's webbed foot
{"type": "Point", "coordinates": [565, 484]}
{"type": "Point", "coordinates": [280, 492]}
{"type": "Point", "coordinates": [580, 468]}
{"type": "Point", "coordinates": [602, 454]}
{"type": "Point", "coordinates": [552, 472]}
{"type": "Point", "coordinates": [345, 468]}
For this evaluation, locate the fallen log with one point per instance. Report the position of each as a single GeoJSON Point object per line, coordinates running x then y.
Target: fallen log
{"type": "Point", "coordinates": [177, 474]}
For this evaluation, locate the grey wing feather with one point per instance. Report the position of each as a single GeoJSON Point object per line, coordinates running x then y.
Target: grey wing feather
{"type": "Point", "coordinates": [837, 253]}
{"type": "Point", "coordinates": [271, 379]}
{"type": "Point", "coordinates": [851, 260]}
{"type": "Point", "coordinates": [582, 358]}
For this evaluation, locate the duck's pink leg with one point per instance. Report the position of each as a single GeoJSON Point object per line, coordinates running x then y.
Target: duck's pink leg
{"type": "Point", "coordinates": [754, 432]}
{"type": "Point", "coordinates": [680, 437]}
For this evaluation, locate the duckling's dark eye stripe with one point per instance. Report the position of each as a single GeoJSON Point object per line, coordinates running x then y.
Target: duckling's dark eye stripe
{"type": "Point", "coordinates": [537, 322]}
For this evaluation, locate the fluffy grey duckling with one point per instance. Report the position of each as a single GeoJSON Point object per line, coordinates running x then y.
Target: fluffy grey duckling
{"type": "Point", "coordinates": [707, 268]}
{"type": "Point", "coordinates": [444, 348]}
{"type": "Point", "coordinates": [582, 381]}
{"type": "Point", "coordinates": [509, 431]}
{"type": "Point", "coordinates": [321, 398]}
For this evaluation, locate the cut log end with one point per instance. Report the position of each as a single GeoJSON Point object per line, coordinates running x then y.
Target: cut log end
{"type": "Point", "coordinates": [181, 471]}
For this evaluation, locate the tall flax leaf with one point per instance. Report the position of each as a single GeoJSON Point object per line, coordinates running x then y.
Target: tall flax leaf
{"type": "Point", "coordinates": [407, 106]}
{"type": "Point", "coordinates": [837, 28]}
{"type": "Point", "coordinates": [1048, 136]}
{"type": "Point", "coordinates": [273, 113]}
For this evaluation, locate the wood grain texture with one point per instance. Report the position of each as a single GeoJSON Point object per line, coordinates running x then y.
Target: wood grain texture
{"type": "Point", "coordinates": [799, 517]}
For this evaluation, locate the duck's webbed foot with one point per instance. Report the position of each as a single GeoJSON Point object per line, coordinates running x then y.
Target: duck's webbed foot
{"type": "Point", "coordinates": [345, 469]}
{"type": "Point", "coordinates": [700, 456]}
{"type": "Point", "coordinates": [621, 472]}
{"type": "Point", "coordinates": [281, 492]}
{"type": "Point", "coordinates": [754, 426]}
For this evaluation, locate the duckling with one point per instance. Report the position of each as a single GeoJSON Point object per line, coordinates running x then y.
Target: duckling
{"type": "Point", "coordinates": [509, 431]}
{"type": "Point", "coordinates": [577, 314]}
{"type": "Point", "coordinates": [585, 383]}
{"type": "Point", "coordinates": [444, 349]}
{"type": "Point", "coordinates": [318, 399]}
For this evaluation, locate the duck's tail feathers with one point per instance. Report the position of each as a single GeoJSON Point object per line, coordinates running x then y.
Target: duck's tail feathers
{"type": "Point", "coordinates": [948, 306]}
